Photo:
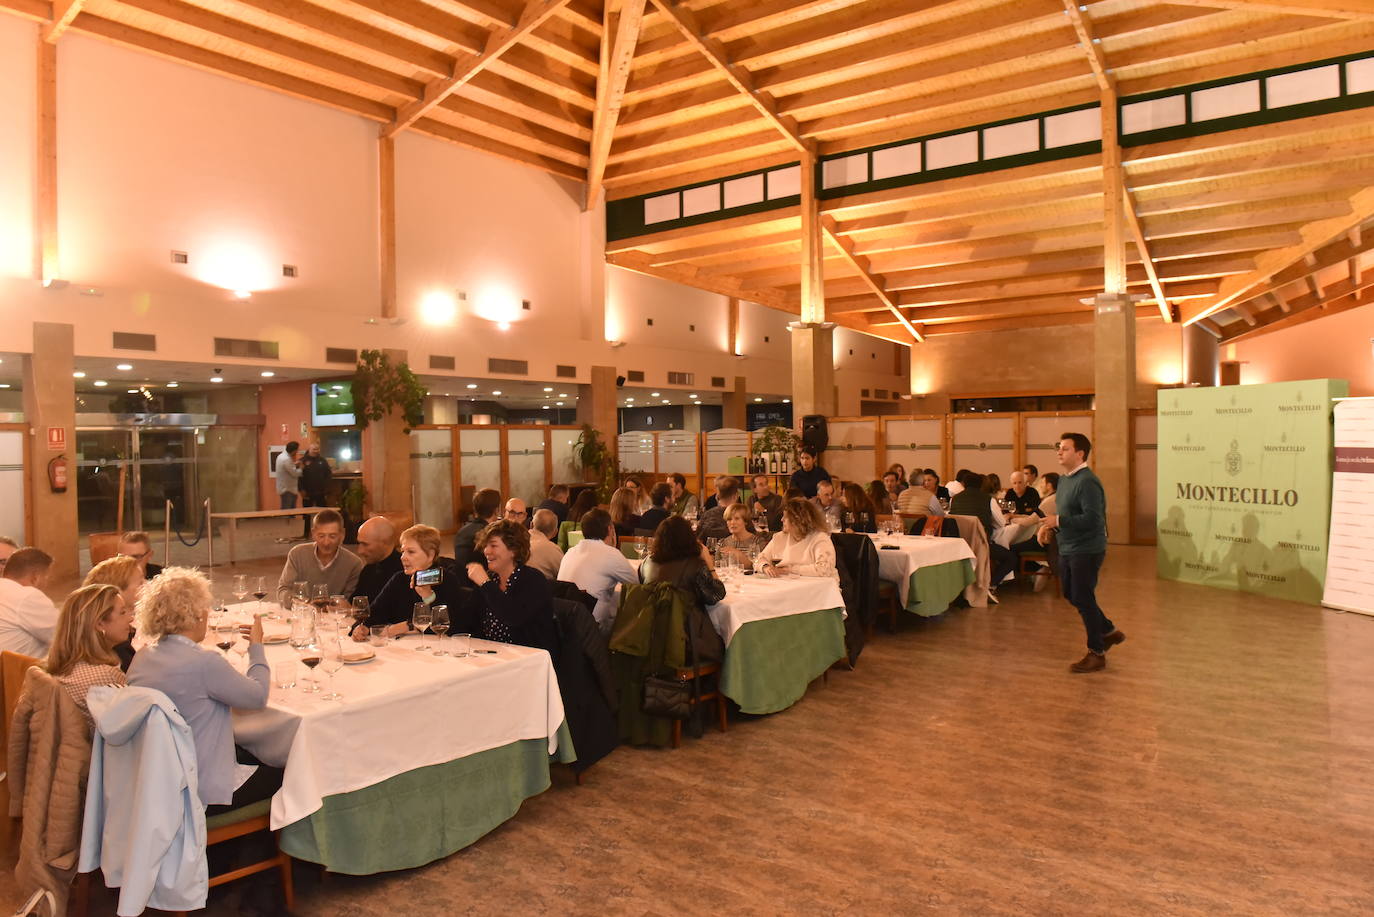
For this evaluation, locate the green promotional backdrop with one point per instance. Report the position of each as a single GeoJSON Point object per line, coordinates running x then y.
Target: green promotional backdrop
{"type": "Point", "coordinates": [1245, 486]}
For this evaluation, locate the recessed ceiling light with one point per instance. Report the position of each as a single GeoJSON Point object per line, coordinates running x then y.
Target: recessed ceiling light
{"type": "Point", "coordinates": [559, 403]}
{"type": "Point", "coordinates": [787, 401]}
{"type": "Point", "coordinates": [337, 388]}
{"type": "Point", "coordinates": [654, 394]}
{"type": "Point", "coordinates": [171, 385]}
{"type": "Point", "coordinates": [132, 391]}
{"type": "Point", "coordinates": [694, 395]}
{"type": "Point", "coordinates": [629, 399]}
{"type": "Point", "coordinates": [267, 374]}
{"type": "Point", "coordinates": [4, 385]}
{"type": "Point", "coordinates": [546, 407]}
{"type": "Point", "coordinates": [100, 383]}
{"type": "Point", "coordinates": [496, 391]}
{"type": "Point", "coordinates": [666, 401]}
{"type": "Point", "coordinates": [548, 388]}
{"type": "Point", "coordinates": [472, 385]}
{"type": "Point", "coordinates": [124, 367]}
{"type": "Point", "coordinates": [216, 378]}
{"type": "Point", "coordinates": [78, 375]}
{"type": "Point", "coordinates": [562, 394]}
{"type": "Point", "coordinates": [758, 399]}
{"type": "Point", "coordinates": [243, 294]}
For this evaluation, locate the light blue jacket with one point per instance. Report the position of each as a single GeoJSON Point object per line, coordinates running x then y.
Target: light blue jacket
{"type": "Point", "coordinates": [144, 826]}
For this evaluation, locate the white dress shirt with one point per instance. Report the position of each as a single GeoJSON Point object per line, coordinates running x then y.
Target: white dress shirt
{"type": "Point", "coordinates": [597, 568]}
{"type": "Point", "coordinates": [27, 619]}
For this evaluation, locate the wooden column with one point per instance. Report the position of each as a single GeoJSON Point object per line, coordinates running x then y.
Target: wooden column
{"type": "Point", "coordinates": [596, 404]}
{"type": "Point", "coordinates": [1113, 198]}
{"type": "Point", "coordinates": [735, 406]}
{"type": "Point", "coordinates": [386, 222]}
{"type": "Point", "coordinates": [1114, 383]}
{"type": "Point", "coordinates": [50, 402]}
{"type": "Point", "coordinates": [732, 325]}
{"type": "Point", "coordinates": [386, 468]}
{"type": "Point", "coordinates": [812, 273]}
{"type": "Point", "coordinates": [45, 238]}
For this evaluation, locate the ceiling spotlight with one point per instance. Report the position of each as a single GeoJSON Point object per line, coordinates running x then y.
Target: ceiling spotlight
{"type": "Point", "coordinates": [758, 399]}
{"type": "Point", "coordinates": [124, 367]}
{"type": "Point", "coordinates": [666, 401]}
{"type": "Point", "coordinates": [629, 399]}
{"type": "Point", "coordinates": [78, 375]}
{"type": "Point", "coordinates": [216, 378]}
{"type": "Point", "coordinates": [504, 326]}
{"type": "Point", "coordinates": [132, 391]}
{"type": "Point", "coordinates": [548, 388]}
{"type": "Point", "coordinates": [267, 374]}
{"type": "Point", "coordinates": [337, 388]}
{"type": "Point", "coordinates": [100, 383]}
{"type": "Point", "coordinates": [546, 407]}
{"type": "Point", "coordinates": [243, 294]}
{"type": "Point", "coordinates": [171, 384]}
{"type": "Point", "coordinates": [562, 394]}
{"type": "Point", "coordinates": [787, 401]}
{"type": "Point", "coordinates": [496, 391]}
{"type": "Point", "coordinates": [472, 385]}
{"type": "Point", "coordinates": [653, 394]}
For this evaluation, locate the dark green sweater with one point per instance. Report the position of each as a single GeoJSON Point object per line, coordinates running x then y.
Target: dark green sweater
{"type": "Point", "coordinates": [1082, 506]}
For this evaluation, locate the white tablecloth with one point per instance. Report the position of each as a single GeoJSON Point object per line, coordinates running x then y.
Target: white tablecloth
{"type": "Point", "coordinates": [914, 552]}
{"type": "Point", "coordinates": [759, 597]}
{"type": "Point", "coordinates": [402, 711]}
{"type": "Point", "coordinates": [1015, 532]}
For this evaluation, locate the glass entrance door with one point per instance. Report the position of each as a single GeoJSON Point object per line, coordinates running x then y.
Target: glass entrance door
{"type": "Point", "coordinates": [104, 469]}
{"type": "Point", "coordinates": [166, 462]}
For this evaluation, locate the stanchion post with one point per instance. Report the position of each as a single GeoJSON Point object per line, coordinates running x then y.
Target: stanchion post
{"type": "Point", "coordinates": [209, 532]}
{"type": "Point", "coordinates": [166, 533]}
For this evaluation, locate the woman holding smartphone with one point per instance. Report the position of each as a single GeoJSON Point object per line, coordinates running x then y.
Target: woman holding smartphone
{"type": "Point", "coordinates": [424, 577]}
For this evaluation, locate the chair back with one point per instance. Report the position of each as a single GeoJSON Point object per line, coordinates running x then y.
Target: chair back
{"type": "Point", "coordinates": [857, 560]}
{"type": "Point", "coordinates": [574, 537]}
{"type": "Point", "coordinates": [13, 668]}
{"type": "Point", "coordinates": [103, 545]}
{"type": "Point", "coordinates": [564, 528]}
{"type": "Point", "coordinates": [971, 530]}
{"type": "Point", "coordinates": [629, 545]}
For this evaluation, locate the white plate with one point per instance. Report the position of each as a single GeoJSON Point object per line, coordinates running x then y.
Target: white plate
{"type": "Point", "coordinates": [275, 639]}
{"type": "Point", "coordinates": [368, 658]}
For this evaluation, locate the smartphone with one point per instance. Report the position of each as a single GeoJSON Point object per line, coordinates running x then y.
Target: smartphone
{"type": "Point", "coordinates": [432, 577]}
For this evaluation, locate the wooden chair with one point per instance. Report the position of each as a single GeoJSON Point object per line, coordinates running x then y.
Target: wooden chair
{"type": "Point", "coordinates": [686, 673]}
{"type": "Point", "coordinates": [102, 545]}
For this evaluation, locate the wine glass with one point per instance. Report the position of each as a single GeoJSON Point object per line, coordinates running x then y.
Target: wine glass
{"type": "Point", "coordinates": [362, 609]}
{"type": "Point", "coordinates": [439, 624]}
{"type": "Point", "coordinates": [302, 641]}
{"type": "Point", "coordinates": [419, 619]}
{"type": "Point", "coordinates": [224, 633]}
{"type": "Point", "coordinates": [642, 548]}
{"type": "Point", "coordinates": [260, 591]}
{"type": "Point", "coordinates": [319, 597]}
{"type": "Point", "coordinates": [240, 588]}
{"type": "Point", "coordinates": [331, 660]}
{"type": "Point", "coordinates": [341, 609]}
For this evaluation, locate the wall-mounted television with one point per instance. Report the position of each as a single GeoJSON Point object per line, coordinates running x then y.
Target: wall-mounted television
{"type": "Point", "coordinates": [331, 404]}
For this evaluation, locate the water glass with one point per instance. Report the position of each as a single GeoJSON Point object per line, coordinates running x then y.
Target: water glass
{"type": "Point", "coordinates": [419, 619]}
{"type": "Point", "coordinates": [462, 644]}
{"type": "Point", "coordinates": [284, 674]}
{"type": "Point", "coordinates": [376, 635]}
{"type": "Point", "coordinates": [331, 660]}
{"type": "Point", "coordinates": [439, 624]}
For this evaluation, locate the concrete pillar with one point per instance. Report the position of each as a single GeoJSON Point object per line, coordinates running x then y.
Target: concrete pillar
{"type": "Point", "coordinates": [1114, 382]}
{"type": "Point", "coordinates": [1201, 354]}
{"type": "Point", "coordinates": [734, 405]}
{"type": "Point", "coordinates": [596, 404]}
{"type": "Point", "coordinates": [386, 465]}
{"type": "Point", "coordinates": [441, 409]}
{"type": "Point", "coordinates": [813, 370]}
{"type": "Point", "coordinates": [50, 403]}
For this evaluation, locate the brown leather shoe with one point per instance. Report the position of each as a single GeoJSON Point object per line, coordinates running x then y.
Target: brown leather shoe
{"type": "Point", "coordinates": [1093, 662]}
{"type": "Point", "coordinates": [1112, 639]}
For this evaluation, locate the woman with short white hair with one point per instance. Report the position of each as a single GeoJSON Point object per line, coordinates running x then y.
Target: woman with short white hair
{"type": "Point", "coordinates": [173, 613]}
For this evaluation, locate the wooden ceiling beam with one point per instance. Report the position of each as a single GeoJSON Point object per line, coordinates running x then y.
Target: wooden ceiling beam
{"type": "Point", "coordinates": [1359, 10]}
{"type": "Point", "coordinates": [339, 27]}
{"type": "Point", "coordinates": [1091, 47]}
{"type": "Point", "coordinates": [464, 69]}
{"type": "Point", "coordinates": [1341, 250]}
{"type": "Point", "coordinates": [1084, 316]}
{"type": "Point", "coordinates": [617, 53]}
{"type": "Point", "coordinates": [63, 12]}
{"type": "Point", "coordinates": [1312, 236]}
{"type": "Point", "coordinates": [739, 77]}
{"type": "Point", "coordinates": [514, 153]}
{"type": "Point", "coordinates": [1339, 297]}
{"type": "Point", "coordinates": [875, 283]}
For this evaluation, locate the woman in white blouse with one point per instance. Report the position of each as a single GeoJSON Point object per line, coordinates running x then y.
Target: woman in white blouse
{"type": "Point", "coordinates": [802, 547]}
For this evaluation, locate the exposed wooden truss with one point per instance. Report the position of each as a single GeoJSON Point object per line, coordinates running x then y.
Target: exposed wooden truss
{"type": "Point", "coordinates": [617, 54]}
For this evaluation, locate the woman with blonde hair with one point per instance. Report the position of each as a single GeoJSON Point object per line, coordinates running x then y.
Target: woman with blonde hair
{"type": "Point", "coordinates": [802, 547]}
{"type": "Point", "coordinates": [93, 619]}
{"type": "Point", "coordinates": [625, 511]}
{"type": "Point", "coordinates": [743, 542]}
{"type": "Point", "coordinates": [125, 573]}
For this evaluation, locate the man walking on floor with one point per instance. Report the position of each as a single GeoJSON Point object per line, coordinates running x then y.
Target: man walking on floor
{"type": "Point", "coordinates": [1081, 528]}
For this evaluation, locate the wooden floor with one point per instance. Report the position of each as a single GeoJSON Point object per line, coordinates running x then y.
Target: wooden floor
{"type": "Point", "coordinates": [1223, 764]}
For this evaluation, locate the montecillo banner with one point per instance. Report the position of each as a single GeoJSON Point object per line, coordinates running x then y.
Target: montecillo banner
{"type": "Point", "coordinates": [1245, 486]}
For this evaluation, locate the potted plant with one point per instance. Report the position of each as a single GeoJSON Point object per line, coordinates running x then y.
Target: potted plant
{"type": "Point", "coordinates": [777, 439]}
{"type": "Point", "coordinates": [594, 458]}
{"type": "Point", "coordinates": [380, 386]}
{"type": "Point", "coordinates": [351, 503]}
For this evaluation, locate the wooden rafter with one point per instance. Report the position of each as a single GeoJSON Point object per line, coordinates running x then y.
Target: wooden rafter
{"type": "Point", "coordinates": [464, 69]}
{"type": "Point", "coordinates": [1335, 9]}
{"type": "Point", "coordinates": [743, 81]}
{"type": "Point", "coordinates": [1142, 248]}
{"type": "Point", "coordinates": [617, 54]}
{"type": "Point", "coordinates": [1096, 59]}
{"type": "Point", "coordinates": [874, 282]}
{"type": "Point", "coordinates": [1312, 237]}
{"type": "Point", "coordinates": [63, 12]}
{"type": "Point", "coordinates": [1341, 296]}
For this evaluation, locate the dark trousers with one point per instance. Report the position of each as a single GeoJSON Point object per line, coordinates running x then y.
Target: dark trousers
{"type": "Point", "coordinates": [1078, 577]}
{"type": "Point", "coordinates": [288, 501]}
{"type": "Point", "coordinates": [310, 500]}
{"type": "Point", "coordinates": [262, 785]}
{"type": "Point", "coordinates": [1001, 561]}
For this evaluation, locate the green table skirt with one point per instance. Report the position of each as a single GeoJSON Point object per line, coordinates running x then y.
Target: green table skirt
{"type": "Point", "coordinates": [769, 664]}
{"type": "Point", "coordinates": [932, 588]}
{"type": "Point", "coordinates": [425, 814]}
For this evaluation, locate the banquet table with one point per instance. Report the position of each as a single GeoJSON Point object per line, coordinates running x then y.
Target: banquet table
{"type": "Point", "coordinates": [421, 756]}
{"type": "Point", "coordinates": [780, 634]}
{"type": "Point", "coordinates": [1016, 532]}
{"type": "Point", "coordinates": [929, 572]}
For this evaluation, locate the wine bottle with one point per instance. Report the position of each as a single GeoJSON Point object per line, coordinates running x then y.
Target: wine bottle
{"type": "Point", "coordinates": [773, 463]}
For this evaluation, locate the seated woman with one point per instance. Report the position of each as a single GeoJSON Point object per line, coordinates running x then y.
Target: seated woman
{"type": "Point", "coordinates": [396, 602]}
{"type": "Point", "coordinates": [513, 602]}
{"type": "Point", "coordinates": [858, 514]}
{"type": "Point", "coordinates": [802, 547]}
{"type": "Point", "coordinates": [878, 496]}
{"type": "Point", "coordinates": [743, 541]}
{"type": "Point", "coordinates": [125, 574]}
{"type": "Point", "coordinates": [678, 558]}
{"type": "Point", "coordinates": [174, 612]}
{"type": "Point", "coordinates": [642, 503]}
{"type": "Point", "coordinates": [625, 511]}
{"type": "Point", "coordinates": [93, 620]}
{"type": "Point", "coordinates": [586, 500]}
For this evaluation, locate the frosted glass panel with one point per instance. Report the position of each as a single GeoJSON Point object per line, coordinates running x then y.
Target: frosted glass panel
{"type": "Point", "coordinates": [1225, 101]}
{"type": "Point", "coordinates": [663, 207]}
{"type": "Point", "coordinates": [852, 454]}
{"type": "Point", "coordinates": [1042, 437]}
{"type": "Point", "coordinates": [1359, 76]}
{"type": "Point", "coordinates": [700, 200]}
{"type": "Point", "coordinates": [525, 463]}
{"type": "Point", "coordinates": [984, 445]}
{"type": "Point", "coordinates": [480, 451]}
{"type": "Point", "coordinates": [952, 151]}
{"type": "Point", "coordinates": [1073, 127]}
{"type": "Point", "coordinates": [677, 451]}
{"type": "Point", "coordinates": [564, 468]}
{"type": "Point", "coordinates": [1303, 86]}
{"type": "Point", "coordinates": [848, 170]}
{"type": "Point", "coordinates": [1154, 114]}
{"type": "Point", "coordinates": [915, 444]}
{"type": "Point", "coordinates": [723, 445]}
{"type": "Point", "coordinates": [12, 485]}
{"type": "Point", "coordinates": [636, 451]}
{"type": "Point", "coordinates": [742, 191]}
{"type": "Point", "coordinates": [431, 470]}
{"type": "Point", "coordinates": [1144, 480]}
{"type": "Point", "coordinates": [784, 182]}
{"type": "Point", "coordinates": [1011, 139]}
{"type": "Point", "coordinates": [896, 160]}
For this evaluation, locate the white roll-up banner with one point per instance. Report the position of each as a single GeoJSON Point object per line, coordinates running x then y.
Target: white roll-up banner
{"type": "Point", "coordinates": [1350, 559]}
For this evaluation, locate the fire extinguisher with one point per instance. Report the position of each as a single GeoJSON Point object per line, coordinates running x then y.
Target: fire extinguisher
{"type": "Point", "coordinates": [57, 474]}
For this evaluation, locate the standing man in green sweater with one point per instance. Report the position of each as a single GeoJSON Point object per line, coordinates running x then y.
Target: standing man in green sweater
{"type": "Point", "coordinates": [1081, 524]}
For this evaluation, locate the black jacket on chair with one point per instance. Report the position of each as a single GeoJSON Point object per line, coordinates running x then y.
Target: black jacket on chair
{"type": "Point", "coordinates": [585, 683]}
{"type": "Point", "coordinates": [857, 560]}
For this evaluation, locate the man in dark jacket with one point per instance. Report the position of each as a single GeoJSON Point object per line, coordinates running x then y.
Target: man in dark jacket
{"type": "Point", "coordinates": [1080, 527]}
{"type": "Point", "coordinates": [315, 477]}
{"type": "Point", "coordinates": [557, 503]}
{"type": "Point", "coordinates": [377, 548]}
{"type": "Point", "coordinates": [486, 509]}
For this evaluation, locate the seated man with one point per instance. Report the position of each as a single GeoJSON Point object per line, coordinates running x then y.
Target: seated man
{"type": "Point", "coordinates": [765, 501]}
{"type": "Point", "coordinates": [894, 487]}
{"type": "Point", "coordinates": [140, 547]}
{"type": "Point", "coordinates": [919, 501]}
{"type": "Point", "coordinates": [826, 502]}
{"type": "Point", "coordinates": [595, 565]}
{"type": "Point", "coordinates": [714, 500]}
{"type": "Point", "coordinates": [7, 547]}
{"type": "Point", "coordinates": [972, 501]}
{"type": "Point", "coordinates": [1026, 498]}
{"type": "Point", "coordinates": [545, 556]}
{"type": "Point", "coordinates": [323, 561]}
{"type": "Point", "coordinates": [486, 509]}
{"type": "Point", "coordinates": [27, 616]}
{"type": "Point", "coordinates": [713, 523]}
{"type": "Point", "coordinates": [377, 550]}
{"type": "Point", "coordinates": [683, 499]}
{"type": "Point", "coordinates": [557, 503]}
{"type": "Point", "coordinates": [517, 511]}
{"type": "Point", "coordinates": [660, 508]}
